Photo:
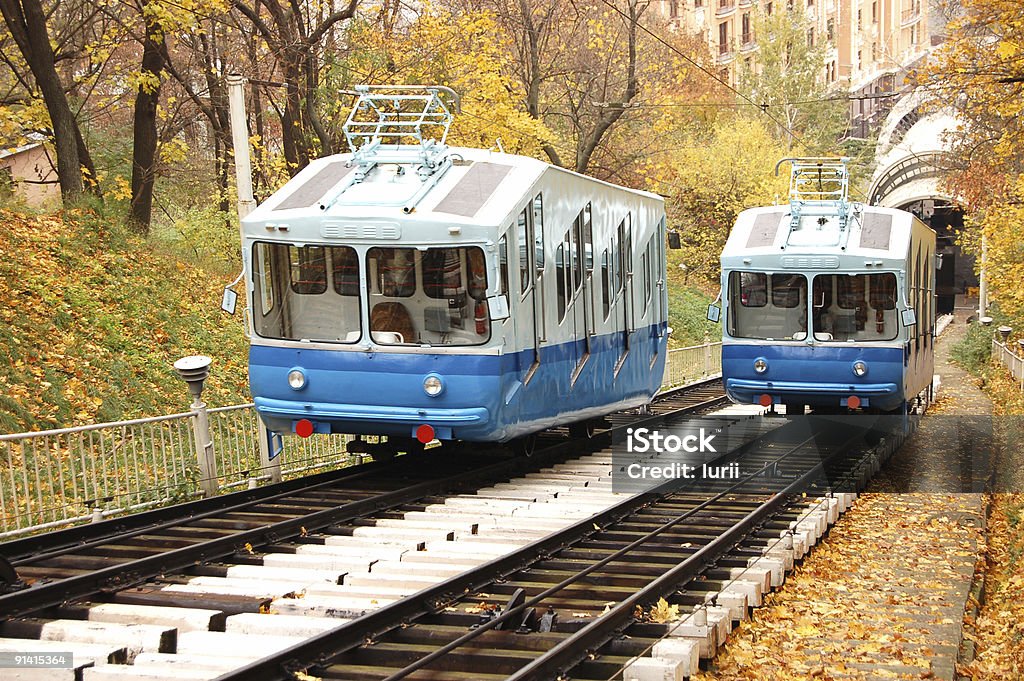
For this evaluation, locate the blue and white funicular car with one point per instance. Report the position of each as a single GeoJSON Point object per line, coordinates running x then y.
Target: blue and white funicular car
{"type": "Point", "coordinates": [416, 290]}
{"type": "Point", "coordinates": [827, 303]}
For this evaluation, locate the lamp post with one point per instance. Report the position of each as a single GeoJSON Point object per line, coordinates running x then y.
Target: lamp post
{"type": "Point", "coordinates": [194, 370]}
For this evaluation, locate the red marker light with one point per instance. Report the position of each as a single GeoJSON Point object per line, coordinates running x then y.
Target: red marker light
{"type": "Point", "coordinates": [425, 433]}
{"type": "Point", "coordinates": [766, 400]}
{"type": "Point", "coordinates": [304, 428]}
{"type": "Point", "coordinates": [852, 401]}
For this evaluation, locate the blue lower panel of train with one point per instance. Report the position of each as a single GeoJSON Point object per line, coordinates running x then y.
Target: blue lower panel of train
{"type": "Point", "coordinates": [484, 397]}
{"type": "Point", "coordinates": [815, 375]}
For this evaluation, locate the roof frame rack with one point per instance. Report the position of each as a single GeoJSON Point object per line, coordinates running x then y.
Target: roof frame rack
{"type": "Point", "coordinates": [818, 186]}
{"type": "Point", "coordinates": [400, 124]}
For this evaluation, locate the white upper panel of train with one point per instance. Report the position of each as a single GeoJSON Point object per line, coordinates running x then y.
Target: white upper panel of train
{"type": "Point", "coordinates": [481, 189]}
{"type": "Point", "coordinates": [870, 233]}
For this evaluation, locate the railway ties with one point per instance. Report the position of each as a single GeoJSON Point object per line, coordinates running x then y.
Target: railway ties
{"type": "Point", "coordinates": [578, 602]}
{"type": "Point", "coordinates": [214, 606]}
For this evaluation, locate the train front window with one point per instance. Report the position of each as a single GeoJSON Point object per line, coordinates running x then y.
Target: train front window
{"type": "Point", "coordinates": [767, 307]}
{"type": "Point", "coordinates": [855, 307]}
{"type": "Point", "coordinates": [436, 296]}
{"type": "Point", "coordinates": [305, 293]}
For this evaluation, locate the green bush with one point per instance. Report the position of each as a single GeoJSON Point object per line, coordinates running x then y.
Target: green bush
{"type": "Point", "coordinates": [973, 351]}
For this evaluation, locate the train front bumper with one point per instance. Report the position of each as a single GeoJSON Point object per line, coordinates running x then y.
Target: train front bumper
{"type": "Point", "coordinates": [870, 394]}
{"type": "Point", "coordinates": [362, 419]}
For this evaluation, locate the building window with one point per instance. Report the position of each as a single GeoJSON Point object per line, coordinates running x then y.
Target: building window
{"type": "Point", "coordinates": [723, 38]}
{"type": "Point", "coordinates": [859, 22]}
{"type": "Point", "coordinates": [748, 37]}
{"type": "Point", "coordinates": [874, 13]}
{"type": "Point", "coordinates": [698, 3]}
{"type": "Point", "coordinates": [810, 37]}
{"type": "Point", "coordinates": [673, 9]}
{"type": "Point", "coordinates": [830, 28]}
{"type": "Point", "coordinates": [768, 8]}
{"type": "Point", "coordinates": [874, 51]}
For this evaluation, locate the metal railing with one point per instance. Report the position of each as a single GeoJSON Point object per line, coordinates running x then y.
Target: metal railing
{"type": "Point", "coordinates": [1011, 360]}
{"type": "Point", "coordinates": [692, 364]}
{"type": "Point", "coordinates": [55, 478]}
{"type": "Point", "coordinates": [58, 477]}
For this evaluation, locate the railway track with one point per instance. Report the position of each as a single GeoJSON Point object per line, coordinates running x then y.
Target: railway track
{"type": "Point", "coordinates": [577, 604]}
{"type": "Point", "coordinates": [348, 548]}
{"type": "Point", "coordinates": [103, 559]}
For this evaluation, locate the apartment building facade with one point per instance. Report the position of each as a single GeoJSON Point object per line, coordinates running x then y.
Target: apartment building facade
{"type": "Point", "coordinates": [870, 44]}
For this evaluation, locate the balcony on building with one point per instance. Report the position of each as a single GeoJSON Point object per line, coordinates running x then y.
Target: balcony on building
{"type": "Point", "coordinates": [745, 3]}
{"type": "Point", "coordinates": [911, 14]}
{"type": "Point", "coordinates": [747, 42]}
{"type": "Point", "coordinates": [725, 53]}
{"type": "Point", "coordinates": [725, 8]}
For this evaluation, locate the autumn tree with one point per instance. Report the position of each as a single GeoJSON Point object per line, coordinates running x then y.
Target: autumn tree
{"type": "Point", "coordinates": [710, 176]}
{"type": "Point", "coordinates": [980, 74]}
{"type": "Point", "coordinates": [577, 65]}
{"type": "Point", "coordinates": [786, 81]}
{"type": "Point", "coordinates": [402, 53]}
{"type": "Point", "coordinates": [294, 33]}
{"type": "Point", "coordinates": [26, 21]}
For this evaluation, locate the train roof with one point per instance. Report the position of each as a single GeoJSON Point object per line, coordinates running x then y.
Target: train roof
{"type": "Point", "coordinates": [479, 188]}
{"type": "Point", "coordinates": [867, 232]}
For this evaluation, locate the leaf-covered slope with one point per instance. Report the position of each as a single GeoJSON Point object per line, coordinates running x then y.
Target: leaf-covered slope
{"type": "Point", "coordinates": [91, 320]}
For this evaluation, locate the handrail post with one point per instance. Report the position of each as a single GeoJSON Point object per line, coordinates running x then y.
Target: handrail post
{"type": "Point", "coordinates": [194, 370]}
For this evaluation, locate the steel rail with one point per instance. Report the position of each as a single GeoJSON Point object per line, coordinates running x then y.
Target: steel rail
{"type": "Point", "coordinates": [36, 549]}
{"type": "Point", "coordinates": [139, 570]}
{"type": "Point", "coordinates": [742, 528]}
{"type": "Point", "coordinates": [317, 651]}
{"type": "Point", "coordinates": [573, 649]}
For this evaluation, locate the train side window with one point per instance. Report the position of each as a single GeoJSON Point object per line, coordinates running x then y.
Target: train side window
{"type": "Point", "coordinates": [503, 264]}
{"type": "Point", "coordinates": [265, 282]}
{"type": "Point", "coordinates": [524, 253]}
{"type": "Point", "coordinates": [345, 270]}
{"type": "Point", "coordinates": [308, 269]}
{"type": "Point", "coordinates": [788, 290]}
{"type": "Point", "coordinates": [588, 239]}
{"type": "Point", "coordinates": [538, 233]}
{"type": "Point", "coordinates": [646, 281]}
{"type": "Point", "coordinates": [560, 276]}
{"type": "Point", "coordinates": [753, 289]}
{"type": "Point", "coordinates": [605, 284]}
{"type": "Point", "coordinates": [477, 266]}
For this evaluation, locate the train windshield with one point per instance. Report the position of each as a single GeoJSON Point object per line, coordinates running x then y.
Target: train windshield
{"type": "Point", "coordinates": [436, 296]}
{"type": "Point", "coordinates": [855, 307]}
{"type": "Point", "coordinates": [306, 292]}
{"type": "Point", "coordinates": [767, 307]}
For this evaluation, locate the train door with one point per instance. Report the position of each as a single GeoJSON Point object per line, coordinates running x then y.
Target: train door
{"type": "Point", "coordinates": [527, 338]}
{"type": "Point", "coordinates": [582, 254]}
{"type": "Point", "coordinates": [537, 235]}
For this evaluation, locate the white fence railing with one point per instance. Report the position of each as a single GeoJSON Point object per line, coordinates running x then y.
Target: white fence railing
{"type": "Point", "coordinates": [1012, 361]}
{"type": "Point", "coordinates": [54, 478]}
{"type": "Point", "coordinates": [691, 364]}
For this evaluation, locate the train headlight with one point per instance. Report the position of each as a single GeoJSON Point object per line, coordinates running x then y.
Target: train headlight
{"type": "Point", "coordinates": [297, 379]}
{"type": "Point", "coordinates": [859, 368]}
{"type": "Point", "coordinates": [433, 385]}
{"type": "Point", "coordinates": [760, 366]}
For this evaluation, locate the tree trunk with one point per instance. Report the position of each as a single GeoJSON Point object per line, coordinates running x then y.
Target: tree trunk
{"type": "Point", "coordinates": [145, 139]}
{"type": "Point", "coordinates": [26, 21]}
